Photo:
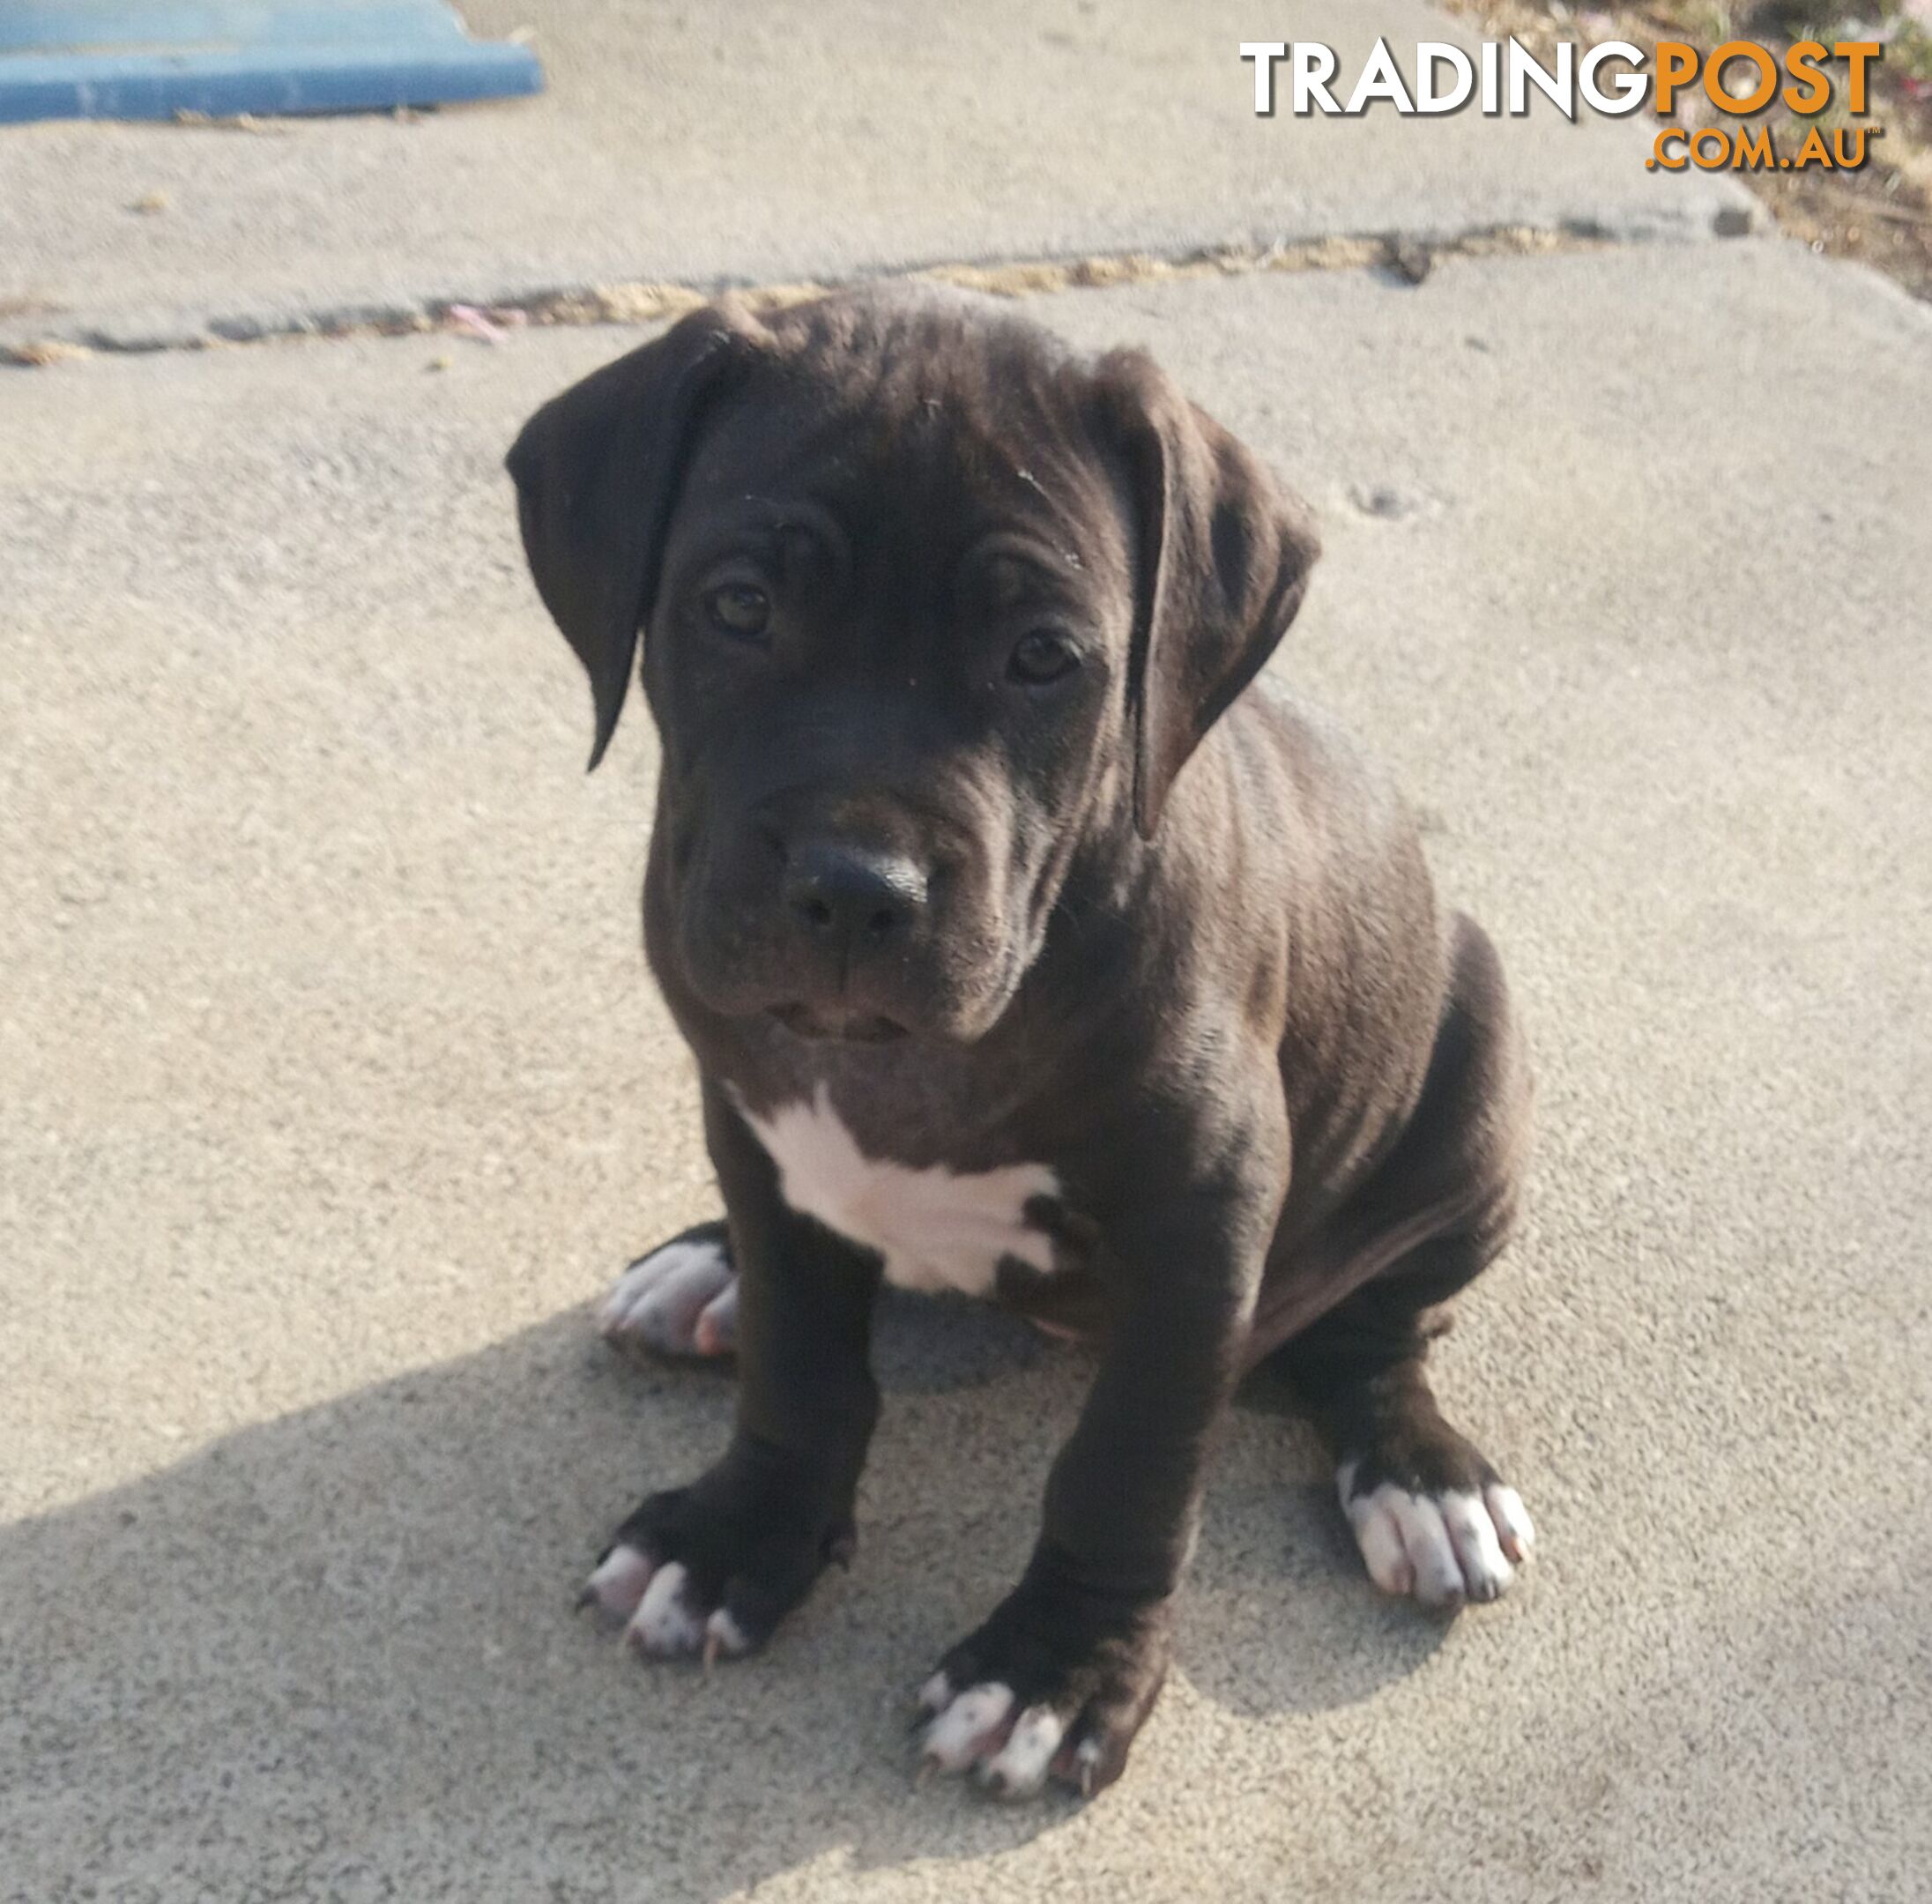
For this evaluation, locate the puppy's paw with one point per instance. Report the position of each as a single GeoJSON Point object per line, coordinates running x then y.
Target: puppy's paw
{"type": "Point", "coordinates": [680, 1300]}
{"type": "Point", "coordinates": [661, 1609]}
{"type": "Point", "coordinates": [1053, 1687]}
{"type": "Point", "coordinates": [710, 1570]}
{"type": "Point", "coordinates": [1442, 1541]}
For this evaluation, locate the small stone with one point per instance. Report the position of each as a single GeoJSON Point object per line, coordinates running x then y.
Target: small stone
{"type": "Point", "coordinates": [1388, 504]}
{"type": "Point", "coordinates": [1411, 259]}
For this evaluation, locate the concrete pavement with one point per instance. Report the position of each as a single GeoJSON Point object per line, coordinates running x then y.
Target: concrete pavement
{"type": "Point", "coordinates": [335, 1089]}
{"type": "Point", "coordinates": [799, 140]}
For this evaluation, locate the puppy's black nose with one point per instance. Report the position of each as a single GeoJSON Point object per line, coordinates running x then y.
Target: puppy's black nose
{"type": "Point", "coordinates": [852, 891]}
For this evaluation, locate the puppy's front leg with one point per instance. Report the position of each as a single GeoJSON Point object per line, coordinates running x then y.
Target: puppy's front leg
{"type": "Point", "coordinates": [1057, 1683]}
{"type": "Point", "coordinates": [714, 1567]}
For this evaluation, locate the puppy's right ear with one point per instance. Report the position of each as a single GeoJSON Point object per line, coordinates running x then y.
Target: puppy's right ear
{"type": "Point", "coordinates": [597, 471]}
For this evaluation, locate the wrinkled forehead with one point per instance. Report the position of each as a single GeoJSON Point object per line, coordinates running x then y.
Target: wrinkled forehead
{"type": "Point", "coordinates": [913, 449]}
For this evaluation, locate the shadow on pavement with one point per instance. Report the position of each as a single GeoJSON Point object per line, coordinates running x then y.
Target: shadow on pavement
{"type": "Point", "coordinates": [335, 1653]}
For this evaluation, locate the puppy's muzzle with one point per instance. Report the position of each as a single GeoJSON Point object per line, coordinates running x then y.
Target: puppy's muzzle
{"type": "Point", "coordinates": [851, 910]}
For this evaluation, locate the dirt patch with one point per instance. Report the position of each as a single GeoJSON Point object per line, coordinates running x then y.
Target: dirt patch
{"type": "Point", "coordinates": [1880, 213]}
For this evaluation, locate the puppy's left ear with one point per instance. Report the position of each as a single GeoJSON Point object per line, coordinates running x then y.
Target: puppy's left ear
{"type": "Point", "coordinates": [1223, 563]}
{"type": "Point", "coordinates": [597, 471]}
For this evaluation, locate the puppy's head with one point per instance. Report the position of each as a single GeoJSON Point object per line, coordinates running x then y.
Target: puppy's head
{"type": "Point", "coordinates": [925, 601]}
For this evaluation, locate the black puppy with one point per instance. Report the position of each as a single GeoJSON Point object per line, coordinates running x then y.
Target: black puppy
{"type": "Point", "coordinates": [1027, 946]}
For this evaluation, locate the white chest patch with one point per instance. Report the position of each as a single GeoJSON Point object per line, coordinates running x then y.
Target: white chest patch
{"type": "Point", "coordinates": [938, 1229]}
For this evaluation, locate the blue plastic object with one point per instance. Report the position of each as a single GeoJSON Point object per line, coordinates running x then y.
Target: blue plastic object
{"type": "Point", "coordinates": [157, 59]}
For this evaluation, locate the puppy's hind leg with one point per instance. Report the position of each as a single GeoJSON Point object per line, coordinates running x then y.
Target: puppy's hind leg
{"type": "Point", "coordinates": [1432, 1517]}
{"type": "Point", "coordinates": [678, 1300]}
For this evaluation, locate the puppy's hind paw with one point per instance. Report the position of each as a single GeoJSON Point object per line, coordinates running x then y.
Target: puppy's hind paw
{"type": "Point", "coordinates": [681, 1299]}
{"type": "Point", "coordinates": [1443, 1546]}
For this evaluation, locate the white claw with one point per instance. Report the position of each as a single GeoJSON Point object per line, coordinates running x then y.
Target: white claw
{"type": "Point", "coordinates": [1086, 1764]}
{"type": "Point", "coordinates": [725, 1638]}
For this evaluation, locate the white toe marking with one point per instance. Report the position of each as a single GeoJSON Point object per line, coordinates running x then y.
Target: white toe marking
{"type": "Point", "coordinates": [1438, 1579]}
{"type": "Point", "coordinates": [1440, 1548]}
{"type": "Point", "coordinates": [1511, 1518]}
{"type": "Point", "coordinates": [662, 1296]}
{"type": "Point", "coordinates": [725, 1633]}
{"type": "Point", "coordinates": [716, 1332]}
{"type": "Point", "coordinates": [1021, 1767]}
{"type": "Point", "coordinates": [1485, 1573]}
{"type": "Point", "coordinates": [618, 1580]}
{"type": "Point", "coordinates": [936, 1694]}
{"type": "Point", "coordinates": [955, 1739]}
{"type": "Point", "coordinates": [663, 1624]}
{"type": "Point", "coordinates": [1379, 1536]}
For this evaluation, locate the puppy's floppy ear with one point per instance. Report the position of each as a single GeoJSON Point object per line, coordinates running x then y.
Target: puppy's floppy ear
{"type": "Point", "coordinates": [596, 471]}
{"type": "Point", "coordinates": [1224, 561]}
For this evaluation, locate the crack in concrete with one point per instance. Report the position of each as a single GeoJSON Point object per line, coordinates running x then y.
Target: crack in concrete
{"type": "Point", "coordinates": [1409, 259]}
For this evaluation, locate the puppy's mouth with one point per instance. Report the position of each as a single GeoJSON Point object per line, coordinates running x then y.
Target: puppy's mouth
{"type": "Point", "coordinates": [821, 1025]}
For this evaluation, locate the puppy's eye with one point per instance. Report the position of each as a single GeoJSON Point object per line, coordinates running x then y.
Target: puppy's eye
{"type": "Point", "coordinates": [1041, 657]}
{"type": "Point", "coordinates": [739, 609]}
